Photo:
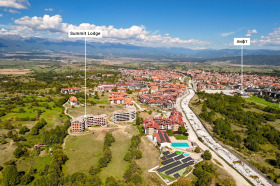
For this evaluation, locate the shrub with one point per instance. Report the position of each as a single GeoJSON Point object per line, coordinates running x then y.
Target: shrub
{"type": "Point", "coordinates": [207, 155]}
{"type": "Point", "coordinates": [197, 150]}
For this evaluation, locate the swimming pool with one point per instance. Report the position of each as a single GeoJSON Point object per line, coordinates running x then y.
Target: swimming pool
{"type": "Point", "coordinates": [178, 144]}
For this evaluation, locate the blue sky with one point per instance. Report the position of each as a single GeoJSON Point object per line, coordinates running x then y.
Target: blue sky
{"type": "Point", "coordinates": [177, 23]}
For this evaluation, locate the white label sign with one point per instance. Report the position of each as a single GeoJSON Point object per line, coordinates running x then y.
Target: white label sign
{"type": "Point", "coordinates": [241, 41]}
{"type": "Point", "coordinates": [85, 33]}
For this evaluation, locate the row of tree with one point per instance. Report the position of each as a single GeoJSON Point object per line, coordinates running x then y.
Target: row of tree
{"type": "Point", "coordinates": [105, 159]}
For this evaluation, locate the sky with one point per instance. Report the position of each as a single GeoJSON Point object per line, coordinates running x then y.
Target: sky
{"type": "Point", "coordinates": [194, 24]}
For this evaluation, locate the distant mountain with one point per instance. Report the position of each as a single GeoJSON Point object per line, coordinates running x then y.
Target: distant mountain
{"type": "Point", "coordinates": [39, 46]}
{"type": "Point", "coordinates": [252, 60]}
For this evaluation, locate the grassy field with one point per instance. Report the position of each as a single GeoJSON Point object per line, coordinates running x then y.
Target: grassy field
{"type": "Point", "coordinates": [149, 160]}
{"type": "Point", "coordinates": [117, 166]}
{"type": "Point", "coordinates": [262, 102]}
{"type": "Point", "coordinates": [6, 152]}
{"type": "Point", "coordinates": [82, 151]}
{"type": "Point", "coordinates": [85, 150]}
{"type": "Point", "coordinates": [37, 162]}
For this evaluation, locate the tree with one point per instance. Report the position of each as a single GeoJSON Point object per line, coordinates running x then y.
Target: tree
{"type": "Point", "coordinates": [251, 143]}
{"type": "Point", "coordinates": [197, 150]}
{"type": "Point", "coordinates": [96, 95]}
{"type": "Point", "coordinates": [128, 91]}
{"type": "Point", "coordinates": [23, 130]}
{"type": "Point", "coordinates": [95, 180]}
{"type": "Point", "coordinates": [94, 170]}
{"type": "Point", "coordinates": [20, 151]}
{"type": "Point", "coordinates": [138, 154]}
{"type": "Point", "coordinates": [128, 156]}
{"type": "Point", "coordinates": [227, 182]}
{"type": "Point", "coordinates": [207, 155]}
{"type": "Point", "coordinates": [170, 132]}
{"type": "Point", "coordinates": [278, 160]}
{"type": "Point", "coordinates": [115, 89]}
{"type": "Point", "coordinates": [139, 120]}
{"type": "Point", "coordinates": [26, 179]}
{"type": "Point", "coordinates": [182, 129]}
{"type": "Point", "coordinates": [136, 178]}
{"type": "Point", "coordinates": [110, 181]}
{"type": "Point", "coordinates": [10, 175]}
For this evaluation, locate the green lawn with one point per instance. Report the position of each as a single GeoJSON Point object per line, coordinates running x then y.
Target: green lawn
{"type": "Point", "coordinates": [82, 151]}
{"type": "Point", "coordinates": [36, 162]}
{"type": "Point", "coordinates": [181, 137]}
{"type": "Point", "coordinates": [262, 102]}
{"type": "Point", "coordinates": [19, 115]}
{"type": "Point", "coordinates": [52, 117]}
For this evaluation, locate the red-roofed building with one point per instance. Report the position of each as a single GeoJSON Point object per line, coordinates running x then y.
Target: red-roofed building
{"type": "Point", "coordinates": [120, 89]}
{"type": "Point", "coordinates": [128, 102]}
{"type": "Point", "coordinates": [152, 125]}
{"type": "Point", "coordinates": [73, 100]}
{"type": "Point", "coordinates": [162, 139]}
{"type": "Point", "coordinates": [117, 97]}
{"type": "Point", "coordinates": [144, 91]}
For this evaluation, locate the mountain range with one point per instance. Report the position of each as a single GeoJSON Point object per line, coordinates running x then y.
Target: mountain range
{"type": "Point", "coordinates": [40, 46]}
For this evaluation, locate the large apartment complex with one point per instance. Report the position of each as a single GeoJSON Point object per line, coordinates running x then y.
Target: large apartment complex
{"type": "Point", "coordinates": [153, 125]}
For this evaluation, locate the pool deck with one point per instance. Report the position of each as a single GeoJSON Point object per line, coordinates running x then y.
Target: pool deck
{"type": "Point", "coordinates": [188, 150]}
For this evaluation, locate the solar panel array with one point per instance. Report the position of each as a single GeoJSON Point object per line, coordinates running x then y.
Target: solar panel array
{"type": "Point", "coordinates": [167, 161]}
{"type": "Point", "coordinates": [177, 175]}
{"type": "Point", "coordinates": [186, 159]}
{"type": "Point", "coordinates": [179, 157]}
{"type": "Point", "coordinates": [175, 163]}
{"type": "Point", "coordinates": [171, 155]}
{"type": "Point", "coordinates": [161, 136]}
{"type": "Point", "coordinates": [166, 152]}
{"type": "Point", "coordinates": [166, 137]}
{"type": "Point", "coordinates": [175, 169]}
{"type": "Point", "coordinates": [169, 166]}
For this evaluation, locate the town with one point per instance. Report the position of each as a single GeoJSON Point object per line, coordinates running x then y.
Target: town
{"type": "Point", "coordinates": [158, 120]}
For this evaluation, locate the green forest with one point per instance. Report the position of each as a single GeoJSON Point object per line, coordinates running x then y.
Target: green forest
{"type": "Point", "coordinates": [244, 126]}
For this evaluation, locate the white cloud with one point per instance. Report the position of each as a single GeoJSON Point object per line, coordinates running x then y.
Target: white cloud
{"type": "Point", "coordinates": [11, 11]}
{"type": "Point", "coordinates": [1, 15]}
{"type": "Point", "coordinates": [54, 27]}
{"type": "Point", "coordinates": [3, 30]}
{"type": "Point", "coordinates": [226, 34]}
{"type": "Point", "coordinates": [250, 32]}
{"type": "Point", "coordinates": [49, 9]}
{"type": "Point", "coordinates": [46, 23]}
{"type": "Point", "coordinates": [18, 4]}
{"type": "Point", "coordinates": [271, 40]}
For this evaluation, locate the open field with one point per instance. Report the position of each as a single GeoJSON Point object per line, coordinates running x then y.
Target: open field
{"type": "Point", "coordinates": [117, 166]}
{"type": "Point", "coordinates": [36, 162]}
{"type": "Point", "coordinates": [262, 102]}
{"type": "Point", "coordinates": [6, 152]}
{"type": "Point", "coordinates": [14, 71]}
{"type": "Point", "coordinates": [149, 160]}
{"type": "Point", "coordinates": [82, 151]}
